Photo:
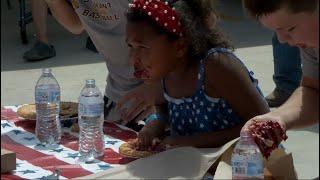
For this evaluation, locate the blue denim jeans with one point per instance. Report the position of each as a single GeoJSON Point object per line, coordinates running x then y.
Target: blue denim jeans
{"type": "Point", "coordinates": [287, 65]}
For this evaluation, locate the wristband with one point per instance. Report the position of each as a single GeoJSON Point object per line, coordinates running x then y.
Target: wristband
{"type": "Point", "coordinates": [152, 117]}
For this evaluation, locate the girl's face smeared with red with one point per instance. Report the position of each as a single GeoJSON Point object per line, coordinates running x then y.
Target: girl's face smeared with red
{"type": "Point", "coordinates": [140, 72]}
{"type": "Point", "coordinates": [153, 55]}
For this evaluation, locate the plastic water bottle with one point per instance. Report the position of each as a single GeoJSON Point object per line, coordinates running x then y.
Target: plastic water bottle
{"type": "Point", "coordinates": [47, 99]}
{"type": "Point", "coordinates": [91, 141]}
{"type": "Point", "coordinates": [247, 160]}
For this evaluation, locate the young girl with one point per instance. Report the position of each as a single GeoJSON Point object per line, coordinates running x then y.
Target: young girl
{"type": "Point", "coordinates": [210, 93]}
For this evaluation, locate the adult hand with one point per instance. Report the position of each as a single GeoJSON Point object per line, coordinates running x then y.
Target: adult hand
{"type": "Point", "coordinates": [138, 104]}
{"type": "Point", "coordinates": [268, 131]}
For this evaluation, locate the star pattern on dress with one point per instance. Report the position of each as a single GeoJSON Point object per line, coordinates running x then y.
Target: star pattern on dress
{"type": "Point", "coordinates": [201, 126]}
{"type": "Point", "coordinates": [201, 113]}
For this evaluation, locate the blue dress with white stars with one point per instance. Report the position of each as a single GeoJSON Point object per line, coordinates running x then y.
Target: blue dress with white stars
{"type": "Point", "coordinates": [201, 113]}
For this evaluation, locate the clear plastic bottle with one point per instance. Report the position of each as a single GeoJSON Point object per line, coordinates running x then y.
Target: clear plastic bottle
{"type": "Point", "coordinates": [47, 99]}
{"type": "Point", "coordinates": [90, 112]}
{"type": "Point", "coordinates": [247, 160]}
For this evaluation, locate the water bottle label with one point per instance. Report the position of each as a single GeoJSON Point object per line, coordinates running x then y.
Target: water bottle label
{"type": "Point", "coordinates": [254, 169]}
{"type": "Point", "coordinates": [247, 169]}
{"type": "Point", "coordinates": [47, 96]}
{"type": "Point", "coordinates": [239, 168]}
{"type": "Point", "coordinates": [90, 109]}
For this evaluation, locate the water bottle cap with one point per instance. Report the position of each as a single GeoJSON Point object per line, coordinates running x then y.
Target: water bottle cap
{"type": "Point", "coordinates": [46, 70]}
{"type": "Point", "coordinates": [90, 81]}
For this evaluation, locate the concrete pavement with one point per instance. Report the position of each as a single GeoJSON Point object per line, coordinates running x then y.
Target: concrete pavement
{"type": "Point", "coordinates": [74, 63]}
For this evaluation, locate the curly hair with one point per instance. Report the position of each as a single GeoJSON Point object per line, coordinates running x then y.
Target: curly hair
{"type": "Point", "coordinates": [198, 19]}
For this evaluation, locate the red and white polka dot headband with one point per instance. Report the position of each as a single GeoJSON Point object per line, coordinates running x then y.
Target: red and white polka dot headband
{"type": "Point", "coordinates": [161, 13]}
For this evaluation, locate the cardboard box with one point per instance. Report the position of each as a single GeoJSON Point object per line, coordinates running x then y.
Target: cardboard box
{"type": "Point", "coordinates": [8, 161]}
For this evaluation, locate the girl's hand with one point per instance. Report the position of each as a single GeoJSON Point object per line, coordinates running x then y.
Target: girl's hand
{"type": "Point", "coordinates": [267, 130]}
{"type": "Point", "coordinates": [147, 138]}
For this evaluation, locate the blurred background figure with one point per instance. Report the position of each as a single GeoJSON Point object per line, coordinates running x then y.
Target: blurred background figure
{"type": "Point", "coordinates": [42, 49]}
{"type": "Point", "coordinates": [287, 72]}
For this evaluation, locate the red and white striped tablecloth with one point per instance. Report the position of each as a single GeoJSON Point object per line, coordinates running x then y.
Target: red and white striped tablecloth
{"type": "Point", "coordinates": [36, 162]}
